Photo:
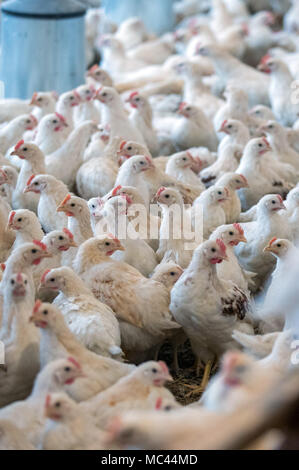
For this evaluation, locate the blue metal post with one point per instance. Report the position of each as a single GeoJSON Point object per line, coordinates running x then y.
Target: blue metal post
{"type": "Point", "coordinates": [157, 15]}
{"type": "Point", "coordinates": [43, 46]}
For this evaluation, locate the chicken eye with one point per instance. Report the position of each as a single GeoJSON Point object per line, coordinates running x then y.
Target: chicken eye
{"type": "Point", "coordinates": [19, 220]}
{"type": "Point", "coordinates": [273, 202]}
{"type": "Point", "coordinates": [172, 273]}
{"type": "Point", "coordinates": [240, 369]}
{"type": "Point", "coordinates": [39, 99]}
{"type": "Point", "coordinates": [12, 282]}
{"type": "Point", "coordinates": [231, 233]}
{"type": "Point", "coordinates": [98, 72]}
{"type": "Point", "coordinates": [213, 250]}
{"type": "Point", "coordinates": [45, 312]}
{"type": "Point", "coordinates": [52, 279]}
{"type": "Point", "coordinates": [184, 159]}
{"type": "Point", "coordinates": [107, 243]}
{"type": "Point", "coordinates": [154, 370]}
{"type": "Point", "coordinates": [25, 282]}
{"type": "Point", "coordinates": [55, 121]}
{"type": "Point", "coordinates": [279, 245]}
{"type": "Point", "coordinates": [130, 148]}
{"type": "Point", "coordinates": [141, 163]}
{"type": "Point", "coordinates": [73, 204]}
{"type": "Point", "coordinates": [93, 206]}
{"type": "Point", "coordinates": [28, 121]}
{"type": "Point", "coordinates": [137, 99]}
{"type": "Point", "coordinates": [71, 97]}
{"type": "Point", "coordinates": [24, 149]}
{"type": "Point", "coordinates": [168, 408]}
{"type": "Point", "coordinates": [57, 404]}
{"type": "Point", "coordinates": [87, 92]}
{"type": "Point", "coordinates": [36, 183]}
{"type": "Point", "coordinates": [34, 251]}
{"type": "Point", "coordinates": [104, 94]}
{"type": "Point", "coordinates": [260, 145]}
{"type": "Point", "coordinates": [67, 369]}
{"type": "Point", "coordinates": [230, 126]}
{"type": "Point", "coordinates": [271, 126]}
{"type": "Point", "coordinates": [219, 192]}
{"type": "Point", "coordinates": [60, 238]}
{"type": "Point", "coordinates": [167, 196]}
{"type": "Point", "coordinates": [188, 108]}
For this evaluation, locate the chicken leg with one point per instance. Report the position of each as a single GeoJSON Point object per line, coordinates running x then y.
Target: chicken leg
{"type": "Point", "coordinates": [205, 379]}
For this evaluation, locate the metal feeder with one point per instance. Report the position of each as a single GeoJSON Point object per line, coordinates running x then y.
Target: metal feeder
{"type": "Point", "coordinates": [43, 46]}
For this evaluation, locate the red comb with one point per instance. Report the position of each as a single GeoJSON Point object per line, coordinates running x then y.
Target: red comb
{"type": "Point", "coordinates": [135, 93]}
{"type": "Point", "coordinates": [115, 190]}
{"type": "Point", "coordinates": [272, 241]}
{"type": "Point", "coordinates": [33, 119]}
{"type": "Point", "coordinates": [279, 198]}
{"type": "Point", "coordinates": [48, 401]}
{"type": "Point", "coordinates": [182, 105]}
{"type": "Point", "coordinates": [93, 68]}
{"type": "Point", "coordinates": [3, 266]}
{"type": "Point", "coordinates": [73, 361]}
{"type": "Point", "coordinates": [67, 198]}
{"type": "Point", "coordinates": [30, 179]}
{"type": "Point", "coordinates": [265, 59]}
{"type": "Point", "coordinates": [44, 275]}
{"type": "Point", "coordinates": [160, 190]}
{"type": "Point", "coordinates": [40, 244]}
{"type": "Point", "coordinates": [110, 235]}
{"type": "Point", "coordinates": [243, 178]}
{"type": "Point", "coordinates": [224, 123]}
{"type": "Point", "coordinates": [77, 95]}
{"type": "Point", "coordinates": [62, 118]}
{"type": "Point", "coordinates": [148, 159]}
{"type": "Point", "coordinates": [12, 214]}
{"type": "Point", "coordinates": [19, 277]}
{"type": "Point", "coordinates": [163, 367]}
{"type": "Point", "coordinates": [19, 144]}
{"type": "Point", "coordinates": [99, 90]}
{"type": "Point", "coordinates": [34, 96]}
{"type": "Point", "coordinates": [158, 403]}
{"type": "Point", "coordinates": [37, 306]}
{"type": "Point", "coordinates": [221, 245]}
{"type": "Point", "coordinates": [123, 143]}
{"type": "Point", "coordinates": [239, 228]}
{"type": "Point", "coordinates": [266, 141]}
{"type": "Point", "coordinates": [68, 233]}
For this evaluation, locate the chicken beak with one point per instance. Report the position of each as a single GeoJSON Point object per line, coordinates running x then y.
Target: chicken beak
{"type": "Point", "coordinates": [61, 208]}
{"type": "Point", "coordinates": [27, 189]}
{"type": "Point", "coordinates": [46, 254]}
{"type": "Point", "coordinates": [120, 248]}
{"type": "Point", "coordinates": [14, 152]}
{"type": "Point", "coordinates": [267, 248]}
{"type": "Point", "coordinates": [282, 206]}
{"type": "Point", "coordinates": [169, 378]}
{"type": "Point", "coordinates": [243, 239]}
{"type": "Point", "coordinates": [72, 243]}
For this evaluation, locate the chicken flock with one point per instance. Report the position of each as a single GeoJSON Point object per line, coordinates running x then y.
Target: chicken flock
{"type": "Point", "coordinates": [197, 128]}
